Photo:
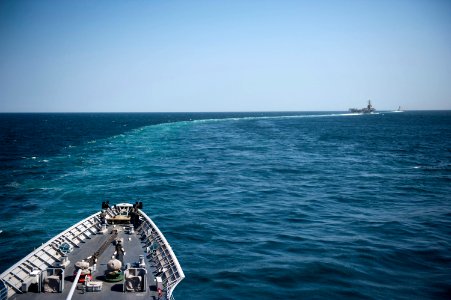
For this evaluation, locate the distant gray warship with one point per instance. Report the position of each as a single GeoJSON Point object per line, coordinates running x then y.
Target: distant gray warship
{"type": "Point", "coordinates": [366, 110]}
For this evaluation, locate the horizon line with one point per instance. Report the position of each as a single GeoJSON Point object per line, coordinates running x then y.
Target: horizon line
{"type": "Point", "coordinates": [167, 112]}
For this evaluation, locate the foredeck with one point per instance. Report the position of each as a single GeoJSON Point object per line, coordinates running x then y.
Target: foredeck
{"type": "Point", "coordinates": [146, 241]}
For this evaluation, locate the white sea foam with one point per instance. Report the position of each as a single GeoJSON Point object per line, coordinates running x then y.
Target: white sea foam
{"type": "Point", "coordinates": [169, 125]}
{"type": "Point", "coordinates": [13, 184]}
{"type": "Point", "coordinates": [273, 117]}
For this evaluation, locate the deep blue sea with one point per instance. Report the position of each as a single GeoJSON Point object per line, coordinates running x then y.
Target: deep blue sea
{"type": "Point", "coordinates": [255, 205]}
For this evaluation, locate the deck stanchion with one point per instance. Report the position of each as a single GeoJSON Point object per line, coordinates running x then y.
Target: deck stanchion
{"type": "Point", "coordinates": [74, 285]}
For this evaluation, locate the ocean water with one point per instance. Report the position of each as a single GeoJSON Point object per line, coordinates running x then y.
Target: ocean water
{"type": "Point", "coordinates": [255, 205]}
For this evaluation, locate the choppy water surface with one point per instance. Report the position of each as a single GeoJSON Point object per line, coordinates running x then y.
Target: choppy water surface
{"type": "Point", "coordinates": [255, 206]}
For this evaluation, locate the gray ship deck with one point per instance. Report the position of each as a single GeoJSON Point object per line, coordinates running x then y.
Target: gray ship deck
{"type": "Point", "coordinates": [39, 274]}
{"type": "Point", "coordinates": [134, 247]}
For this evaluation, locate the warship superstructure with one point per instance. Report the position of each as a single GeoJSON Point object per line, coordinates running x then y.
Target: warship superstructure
{"type": "Point", "coordinates": [366, 110]}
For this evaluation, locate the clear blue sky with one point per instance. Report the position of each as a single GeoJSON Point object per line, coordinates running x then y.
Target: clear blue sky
{"type": "Point", "coordinates": [63, 56]}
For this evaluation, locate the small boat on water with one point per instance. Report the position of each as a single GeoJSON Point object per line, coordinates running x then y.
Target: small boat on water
{"type": "Point", "coordinates": [116, 253]}
{"type": "Point", "coordinates": [398, 110]}
{"type": "Point", "coordinates": [366, 110]}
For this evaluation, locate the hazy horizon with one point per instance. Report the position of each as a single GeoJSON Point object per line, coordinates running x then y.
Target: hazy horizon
{"type": "Point", "coordinates": [212, 112]}
{"type": "Point", "coordinates": [234, 56]}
